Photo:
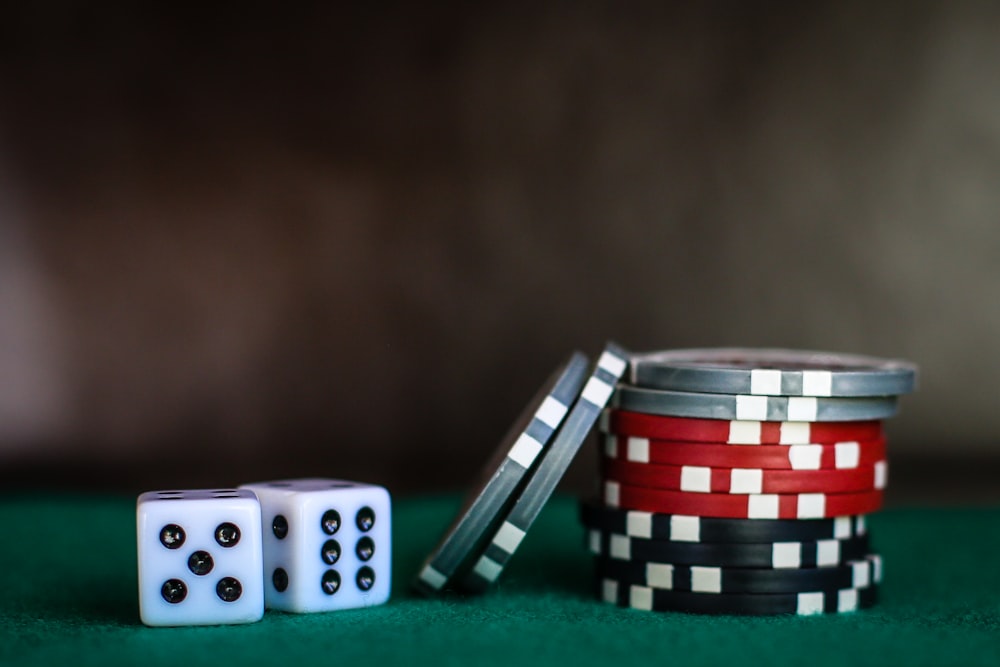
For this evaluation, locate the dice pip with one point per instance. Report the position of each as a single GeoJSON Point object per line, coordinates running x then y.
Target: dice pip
{"type": "Point", "coordinates": [327, 544]}
{"type": "Point", "coordinates": [200, 558]}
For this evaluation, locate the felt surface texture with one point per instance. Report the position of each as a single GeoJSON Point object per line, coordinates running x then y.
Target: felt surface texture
{"type": "Point", "coordinates": [68, 583]}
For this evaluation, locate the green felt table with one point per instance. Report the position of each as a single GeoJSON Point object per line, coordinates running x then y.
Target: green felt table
{"type": "Point", "coordinates": [68, 582]}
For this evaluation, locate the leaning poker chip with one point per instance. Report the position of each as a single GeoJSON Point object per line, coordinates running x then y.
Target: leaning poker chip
{"type": "Point", "coordinates": [702, 479]}
{"type": "Point", "coordinates": [504, 539]}
{"type": "Point", "coordinates": [746, 407]}
{"type": "Point", "coordinates": [724, 580]}
{"type": "Point", "coordinates": [743, 506]}
{"type": "Point", "coordinates": [748, 604]}
{"type": "Point", "coordinates": [772, 372]}
{"type": "Point", "coordinates": [505, 473]}
{"type": "Point", "coordinates": [737, 432]}
{"type": "Point", "coordinates": [778, 555]}
{"type": "Point", "coordinates": [694, 529]}
{"type": "Point", "coordinates": [836, 456]}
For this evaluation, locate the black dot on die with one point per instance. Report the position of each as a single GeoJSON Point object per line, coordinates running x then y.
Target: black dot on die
{"type": "Point", "coordinates": [365, 519]}
{"type": "Point", "coordinates": [365, 548]}
{"type": "Point", "coordinates": [365, 578]}
{"type": "Point", "coordinates": [227, 534]}
{"type": "Point", "coordinates": [330, 553]}
{"type": "Point", "coordinates": [330, 522]}
{"type": "Point", "coordinates": [280, 580]}
{"type": "Point", "coordinates": [229, 589]}
{"type": "Point", "coordinates": [174, 591]}
{"type": "Point", "coordinates": [330, 582]}
{"type": "Point", "coordinates": [200, 563]}
{"type": "Point", "coordinates": [172, 536]}
{"type": "Point", "coordinates": [280, 527]}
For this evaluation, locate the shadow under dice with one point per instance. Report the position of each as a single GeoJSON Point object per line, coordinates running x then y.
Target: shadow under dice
{"type": "Point", "coordinates": [200, 558]}
{"type": "Point", "coordinates": [327, 544]}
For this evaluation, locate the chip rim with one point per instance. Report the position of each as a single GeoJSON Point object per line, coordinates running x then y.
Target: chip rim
{"type": "Point", "coordinates": [745, 506]}
{"type": "Point", "coordinates": [809, 603]}
{"type": "Point", "coordinates": [806, 372]}
{"type": "Point", "coordinates": [722, 580]}
{"type": "Point", "coordinates": [748, 407]}
{"type": "Point", "coordinates": [744, 480]}
{"type": "Point", "coordinates": [847, 455]}
{"type": "Point", "coordinates": [501, 479]}
{"type": "Point", "coordinates": [583, 415]}
{"type": "Point", "coordinates": [782, 555]}
{"type": "Point", "coordinates": [694, 529]}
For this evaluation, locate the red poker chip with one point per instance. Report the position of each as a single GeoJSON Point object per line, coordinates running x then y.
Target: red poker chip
{"type": "Point", "coordinates": [838, 456]}
{"type": "Point", "coordinates": [645, 425]}
{"type": "Point", "coordinates": [743, 506]}
{"type": "Point", "coordinates": [705, 480]}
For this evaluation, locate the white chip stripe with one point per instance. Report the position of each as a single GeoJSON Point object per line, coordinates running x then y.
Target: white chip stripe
{"type": "Point", "coordinates": [685, 528]}
{"type": "Point", "coordinates": [805, 457]}
{"type": "Point", "coordinates": [881, 474]}
{"type": "Point", "coordinates": [786, 555]}
{"type": "Point", "coordinates": [612, 494]}
{"type": "Point", "coordinates": [827, 552]}
{"type": "Point", "coordinates": [597, 392]}
{"type": "Point", "coordinates": [612, 363]}
{"type": "Point", "coordinates": [660, 575]}
{"type": "Point", "coordinates": [639, 524]}
{"type": "Point", "coordinates": [696, 478]}
{"type": "Point", "coordinates": [620, 546]}
{"type": "Point", "coordinates": [751, 407]}
{"type": "Point", "coordinates": [638, 449]}
{"type": "Point", "coordinates": [763, 506]}
{"type": "Point", "coordinates": [609, 590]}
{"type": "Point", "coordinates": [488, 569]}
{"type": "Point", "coordinates": [745, 480]}
{"type": "Point", "coordinates": [802, 409]}
{"type": "Point", "coordinates": [794, 433]}
{"type": "Point", "coordinates": [744, 433]}
{"type": "Point", "coordinates": [706, 579]}
{"type": "Point", "coordinates": [765, 381]}
{"type": "Point", "coordinates": [433, 578]}
{"type": "Point", "coordinates": [640, 597]}
{"type": "Point", "coordinates": [842, 527]}
{"type": "Point", "coordinates": [811, 505]}
{"type": "Point", "coordinates": [817, 383]}
{"type": "Point", "coordinates": [551, 412]}
{"type": "Point", "coordinates": [808, 604]}
{"type": "Point", "coordinates": [876, 562]}
{"type": "Point", "coordinates": [861, 574]}
{"type": "Point", "coordinates": [594, 541]}
{"type": "Point", "coordinates": [847, 600]}
{"type": "Point", "coordinates": [525, 450]}
{"type": "Point", "coordinates": [508, 537]}
{"type": "Point", "coordinates": [847, 454]}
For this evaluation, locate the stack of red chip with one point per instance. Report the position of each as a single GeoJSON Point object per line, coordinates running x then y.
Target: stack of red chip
{"type": "Point", "coordinates": [773, 451]}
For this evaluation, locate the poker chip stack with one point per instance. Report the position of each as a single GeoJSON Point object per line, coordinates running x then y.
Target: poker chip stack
{"type": "Point", "coordinates": [736, 481]}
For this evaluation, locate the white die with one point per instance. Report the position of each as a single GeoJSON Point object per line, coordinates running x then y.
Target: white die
{"type": "Point", "coordinates": [194, 568]}
{"type": "Point", "coordinates": [317, 544]}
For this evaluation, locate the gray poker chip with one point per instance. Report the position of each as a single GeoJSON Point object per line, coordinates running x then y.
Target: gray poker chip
{"type": "Point", "coordinates": [746, 407]}
{"type": "Point", "coordinates": [772, 372]}
{"type": "Point", "coordinates": [503, 477]}
{"type": "Point", "coordinates": [507, 536]}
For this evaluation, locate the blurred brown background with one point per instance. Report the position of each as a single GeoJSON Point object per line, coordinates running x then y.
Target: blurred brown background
{"type": "Point", "coordinates": [343, 241]}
